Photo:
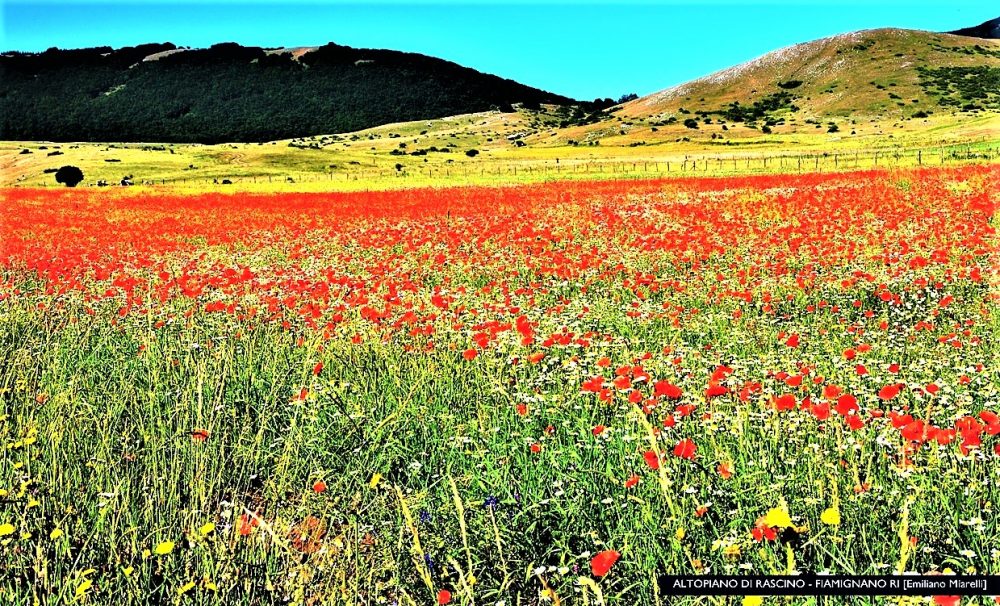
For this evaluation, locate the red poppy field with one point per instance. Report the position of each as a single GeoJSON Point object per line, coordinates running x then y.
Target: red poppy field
{"type": "Point", "coordinates": [542, 394]}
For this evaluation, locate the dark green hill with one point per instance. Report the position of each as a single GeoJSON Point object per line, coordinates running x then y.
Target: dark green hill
{"type": "Point", "coordinates": [228, 92]}
{"type": "Point", "coordinates": [989, 30]}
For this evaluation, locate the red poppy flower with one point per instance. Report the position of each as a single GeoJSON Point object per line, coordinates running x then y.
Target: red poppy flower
{"type": "Point", "coordinates": [716, 390]}
{"type": "Point", "coordinates": [632, 481]}
{"type": "Point", "coordinates": [889, 392]}
{"type": "Point", "coordinates": [784, 402]}
{"type": "Point", "coordinates": [831, 391]}
{"type": "Point", "coordinates": [685, 449]}
{"type": "Point", "coordinates": [246, 524]}
{"type": "Point", "coordinates": [762, 531]}
{"type": "Point", "coordinates": [594, 384]}
{"type": "Point", "coordinates": [914, 431]}
{"type": "Point", "coordinates": [319, 486]}
{"type": "Point", "coordinates": [199, 435]}
{"type": "Point", "coordinates": [651, 459]}
{"type": "Point", "coordinates": [470, 354]}
{"type": "Point", "coordinates": [601, 563]}
{"type": "Point", "coordinates": [846, 404]}
{"type": "Point", "coordinates": [667, 390]}
{"type": "Point", "coordinates": [821, 411]}
{"type": "Point", "coordinates": [444, 597]}
{"type": "Point", "coordinates": [854, 422]}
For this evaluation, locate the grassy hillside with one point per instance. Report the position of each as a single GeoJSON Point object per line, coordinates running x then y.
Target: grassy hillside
{"type": "Point", "coordinates": [875, 82]}
{"type": "Point", "coordinates": [234, 93]}
{"type": "Point", "coordinates": [480, 148]}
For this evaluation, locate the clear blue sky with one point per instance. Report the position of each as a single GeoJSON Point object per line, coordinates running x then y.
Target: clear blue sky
{"type": "Point", "coordinates": [582, 48]}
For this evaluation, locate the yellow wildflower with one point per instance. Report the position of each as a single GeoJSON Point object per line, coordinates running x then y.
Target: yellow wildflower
{"type": "Point", "coordinates": [831, 516]}
{"type": "Point", "coordinates": [164, 548]}
{"type": "Point", "coordinates": [777, 517]}
{"type": "Point", "coordinates": [84, 587]}
{"type": "Point", "coordinates": [185, 588]}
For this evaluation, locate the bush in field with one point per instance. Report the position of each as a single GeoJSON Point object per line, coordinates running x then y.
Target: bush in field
{"type": "Point", "coordinates": [69, 175]}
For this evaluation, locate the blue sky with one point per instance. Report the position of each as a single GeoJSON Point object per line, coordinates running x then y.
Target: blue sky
{"type": "Point", "coordinates": [582, 48]}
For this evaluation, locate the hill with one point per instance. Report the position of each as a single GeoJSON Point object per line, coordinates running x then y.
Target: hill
{"type": "Point", "coordinates": [988, 29]}
{"type": "Point", "coordinates": [865, 82]}
{"type": "Point", "coordinates": [161, 93]}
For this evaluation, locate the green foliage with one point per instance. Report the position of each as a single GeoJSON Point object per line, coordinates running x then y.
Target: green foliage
{"type": "Point", "coordinates": [962, 86]}
{"type": "Point", "coordinates": [736, 112]}
{"type": "Point", "coordinates": [234, 93]}
{"type": "Point", "coordinates": [70, 176]}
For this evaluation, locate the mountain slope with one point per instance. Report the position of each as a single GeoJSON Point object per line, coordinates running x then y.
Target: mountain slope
{"type": "Point", "coordinates": [867, 82]}
{"type": "Point", "coordinates": [228, 92]}
{"type": "Point", "coordinates": [876, 72]}
{"type": "Point", "coordinates": [988, 29]}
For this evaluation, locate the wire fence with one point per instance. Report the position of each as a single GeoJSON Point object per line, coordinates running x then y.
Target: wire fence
{"type": "Point", "coordinates": [514, 170]}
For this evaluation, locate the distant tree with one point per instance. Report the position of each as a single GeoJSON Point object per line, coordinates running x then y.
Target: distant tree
{"type": "Point", "coordinates": [833, 128]}
{"type": "Point", "coordinates": [691, 123]}
{"type": "Point", "coordinates": [790, 84]}
{"type": "Point", "coordinates": [600, 104]}
{"type": "Point", "coordinates": [69, 175]}
{"type": "Point", "coordinates": [765, 129]}
{"type": "Point", "coordinates": [472, 153]}
{"type": "Point", "coordinates": [627, 97]}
